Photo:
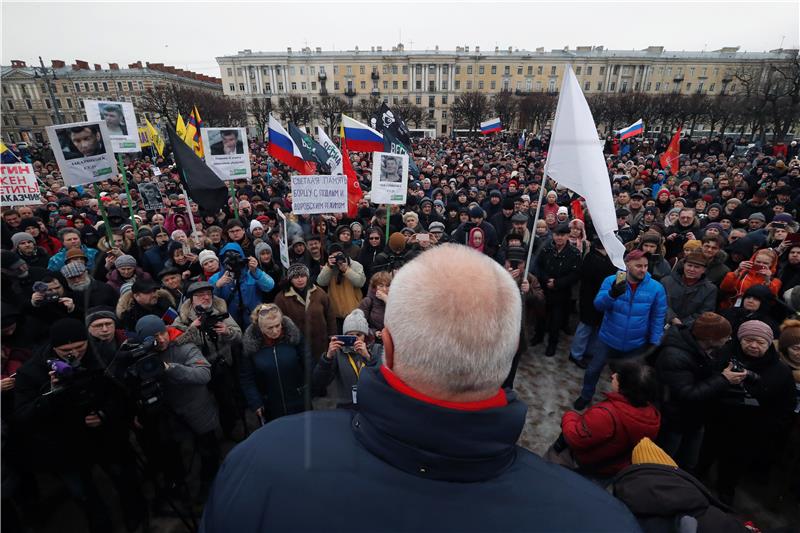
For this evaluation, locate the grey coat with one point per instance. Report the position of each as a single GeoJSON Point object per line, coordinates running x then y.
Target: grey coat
{"type": "Point", "coordinates": [687, 303]}
{"type": "Point", "coordinates": [185, 387]}
{"type": "Point", "coordinates": [340, 369]}
{"type": "Point", "coordinates": [193, 335]}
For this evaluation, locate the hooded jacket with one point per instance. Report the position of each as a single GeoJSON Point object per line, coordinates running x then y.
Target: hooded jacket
{"type": "Point", "coordinates": [272, 376]}
{"type": "Point", "coordinates": [602, 438]}
{"type": "Point", "coordinates": [633, 319]}
{"type": "Point", "coordinates": [193, 335]}
{"type": "Point", "coordinates": [735, 284]}
{"type": "Point", "coordinates": [251, 286]}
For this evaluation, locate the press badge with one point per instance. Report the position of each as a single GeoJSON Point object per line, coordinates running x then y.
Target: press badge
{"type": "Point", "coordinates": [355, 394]}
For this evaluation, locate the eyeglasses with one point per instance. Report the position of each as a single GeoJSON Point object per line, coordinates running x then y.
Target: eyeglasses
{"type": "Point", "coordinates": [374, 238]}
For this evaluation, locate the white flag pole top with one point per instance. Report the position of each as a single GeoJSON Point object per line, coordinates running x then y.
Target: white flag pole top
{"type": "Point", "coordinates": [575, 160]}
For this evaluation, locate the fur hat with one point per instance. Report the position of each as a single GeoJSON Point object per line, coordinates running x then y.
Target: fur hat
{"type": "Point", "coordinates": [711, 326]}
{"type": "Point", "coordinates": [397, 243]}
{"type": "Point", "coordinates": [651, 237]}
{"type": "Point", "coordinates": [790, 334]}
{"type": "Point", "coordinates": [696, 257]}
{"type": "Point", "coordinates": [296, 270]}
{"type": "Point", "coordinates": [356, 321]}
{"type": "Point", "coordinates": [755, 328]}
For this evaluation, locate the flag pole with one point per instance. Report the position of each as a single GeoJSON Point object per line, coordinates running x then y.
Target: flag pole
{"type": "Point", "coordinates": [233, 200]}
{"type": "Point", "coordinates": [128, 193]}
{"type": "Point", "coordinates": [188, 206]}
{"type": "Point", "coordinates": [536, 219]}
{"type": "Point", "coordinates": [388, 216]}
{"type": "Point", "coordinates": [101, 205]}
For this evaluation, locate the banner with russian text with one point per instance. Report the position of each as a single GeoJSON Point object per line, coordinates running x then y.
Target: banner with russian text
{"type": "Point", "coordinates": [18, 186]}
{"type": "Point", "coordinates": [314, 195]}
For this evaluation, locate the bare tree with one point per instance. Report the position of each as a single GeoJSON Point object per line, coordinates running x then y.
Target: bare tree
{"type": "Point", "coordinates": [506, 106]}
{"type": "Point", "coordinates": [330, 109]}
{"type": "Point", "coordinates": [217, 110]}
{"type": "Point", "coordinates": [535, 110]}
{"type": "Point", "coordinates": [296, 109]}
{"type": "Point", "coordinates": [410, 113]}
{"type": "Point", "coordinates": [259, 109]}
{"type": "Point", "coordinates": [368, 106]}
{"type": "Point", "coordinates": [469, 109]}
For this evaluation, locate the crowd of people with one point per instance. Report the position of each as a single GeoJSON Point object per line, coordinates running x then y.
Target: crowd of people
{"type": "Point", "coordinates": [138, 341]}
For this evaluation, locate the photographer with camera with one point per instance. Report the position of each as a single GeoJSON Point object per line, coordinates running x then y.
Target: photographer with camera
{"type": "Point", "coordinates": [240, 283]}
{"type": "Point", "coordinates": [105, 337]}
{"type": "Point", "coordinates": [343, 279]}
{"type": "Point", "coordinates": [71, 417]}
{"type": "Point", "coordinates": [347, 355]}
{"type": "Point", "coordinates": [206, 323]}
{"type": "Point", "coordinates": [174, 399]}
{"type": "Point", "coordinates": [49, 302]}
{"type": "Point", "coordinates": [146, 297]}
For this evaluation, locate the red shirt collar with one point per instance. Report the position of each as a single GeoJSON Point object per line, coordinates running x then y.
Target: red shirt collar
{"type": "Point", "coordinates": [498, 400]}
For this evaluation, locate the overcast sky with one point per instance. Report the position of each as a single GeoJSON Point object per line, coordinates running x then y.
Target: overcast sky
{"type": "Point", "coordinates": [191, 34]}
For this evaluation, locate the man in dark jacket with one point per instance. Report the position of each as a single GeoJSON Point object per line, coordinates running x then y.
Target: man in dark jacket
{"type": "Point", "coordinates": [689, 293]}
{"type": "Point", "coordinates": [595, 268]}
{"type": "Point", "coordinates": [685, 229]}
{"type": "Point", "coordinates": [685, 368]}
{"type": "Point", "coordinates": [557, 270]}
{"type": "Point", "coordinates": [421, 427]}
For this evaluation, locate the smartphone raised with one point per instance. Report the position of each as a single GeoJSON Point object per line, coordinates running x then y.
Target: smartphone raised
{"type": "Point", "coordinates": [347, 340]}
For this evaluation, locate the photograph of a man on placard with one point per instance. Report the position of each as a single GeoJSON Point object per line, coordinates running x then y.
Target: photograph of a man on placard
{"type": "Point", "coordinates": [80, 141]}
{"type": "Point", "coordinates": [391, 169]}
{"type": "Point", "coordinates": [114, 118]}
{"type": "Point", "coordinates": [228, 142]}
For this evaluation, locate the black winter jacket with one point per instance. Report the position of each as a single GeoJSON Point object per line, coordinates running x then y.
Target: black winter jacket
{"type": "Point", "coordinates": [595, 268]}
{"type": "Point", "coordinates": [561, 266]}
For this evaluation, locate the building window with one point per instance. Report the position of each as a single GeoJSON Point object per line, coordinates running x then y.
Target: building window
{"type": "Point", "coordinates": [431, 86]}
{"type": "Point", "coordinates": [349, 70]}
{"type": "Point", "coordinates": [363, 84]}
{"type": "Point", "coordinates": [700, 87]}
{"type": "Point", "coordinates": [336, 69]}
{"type": "Point", "coordinates": [469, 69]}
{"type": "Point", "coordinates": [10, 104]}
{"type": "Point", "coordinates": [552, 86]}
{"type": "Point", "coordinates": [586, 86]}
{"type": "Point", "coordinates": [431, 101]}
{"type": "Point", "coordinates": [431, 69]}
{"type": "Point", "coordinates": [445, 69]}
{"type": "Point", "coordinates": [691, 72]}
{"type": "Point", "coordinates": [458, 69]}
{"type": "Point", "coordinates": [418, 84]}
{"type": "Point", "coordinates": [96, 87]}
{"type": "Point", "coordinates": [612, 86]}
{"type": "Point", "coordinates": [623, 87]}
{"type": "Point", "coordinates": [105, 86]}
{"type": "Point", "coordinates": [481, 70]}
{"type": "Point", "coordinates": [34, 121]}
{"type": "Point", "coordinates": [232, 87]}
{"type": "Point", "coordinates": [658, 86]}
{"type": "Point", "coordinates": [418, 100]}
{"type": "Point", "coordinates": [688, 86]}
{"type": "Point", "coordinates": [469, 85]}
{"type": "Point", "coordinates": [577, 71]}
{"type": "Point", "coordinates": [494, 69]}
{"type": "Point", "coordinates": [64, 88]}
{"type": "Point", "coordinates": [711, 89]}
{"type": "Point", "coordinates": [602, 70]}
{"type": "Point", "coordinates": [405, 84]}
{"type": "Point", "coordinates": [69, 103]}
{"type": "Point", "coordinates": [457, 84]}
{"type": "Point", "coordinates": [480, 85]}
{"type": "Point", "coordinates": [77, 87]}
{"type": "Point", "coordinates": [394, 69]}
{"type": "Point", "coordinates": [335, 85]}
{"type": "Point", "coordinates": [530, 70]}
{"type": "Point", "coordinates": [493, 85]}
{"type": "Point", "coordinates": [507, 70]}
{"type": "Point", "coordinates": [444, 114]}
{"type": "Point", "coordinates": [268, 87]}
{"type": "Point", "coordinates": [303, 86]}
{"type": "Point", "coordinates": [588, 71]}
{"type": "Point", "coordinates": [394, 84]}
{"type": "Point", "coordinates": [386, 84]}
{"type": "Point", "coordinates": [362, 69]}
{"type": "Point", "coordinates": [130, 86]}
{"type": "Point", "coordinates": [444, 85]}
{"type": "Point", "coordinates": [528, 84]}
{"type": "Point", "coordinates": [519, 70]}
{"type": "Point", "coordinates": [294, 85]}
{"type": "Point", "coordinates": [313, 86]}
{"type": "Point", "coordinates": [553, 70]}
{"type": "Point", "coordinates": [119, 86]}
{"type": "Point", "coordinates": [302, 71]}
{"type": "Point", "coordinates": [239, 72]}
{"type": "Point", "coordinates": [140, 85]}
{"type": "Point", "coordinates": [418, 70]}
{"type": "Point", "coordinates": [86, 87]}
{"type": "Point", "coordinates": [649, 84]}
{"type": "Point", "coordinates": [28, 104]}
{"type": "Point", "coordinates": [49, 104]}
{"type": "Point", "coordinates": [444, 99]}
{"type": "Point", "coordinates": [405, 69]}
{"type": "Point", "coordinates": [230, 72]}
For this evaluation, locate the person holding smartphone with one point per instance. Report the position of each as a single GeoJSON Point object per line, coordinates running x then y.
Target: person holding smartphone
{"type": "Point", "coordinates": [347, 355]}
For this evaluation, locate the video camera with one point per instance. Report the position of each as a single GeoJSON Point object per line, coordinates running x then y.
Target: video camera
{"type": "Point", "coordinates": [233, 262]}
{"type": "Point", "coordinates": [208, 319]}
{"type": "Point", "coordinates": [140, 367]}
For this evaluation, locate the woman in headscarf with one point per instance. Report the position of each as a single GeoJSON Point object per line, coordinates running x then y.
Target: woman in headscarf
{"type": "Point", "coordinates": [759, 270]}
{"type": "Point", "coordinates": [476, 239]}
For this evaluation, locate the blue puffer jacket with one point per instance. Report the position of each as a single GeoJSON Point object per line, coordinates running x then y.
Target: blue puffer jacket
{"type": "Point", "coordinates": [252, 286]}
{"type": "Point", "coordinates": [634, 319]}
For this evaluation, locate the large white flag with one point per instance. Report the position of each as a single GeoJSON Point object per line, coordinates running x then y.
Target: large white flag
{"type": "Point", "coordinates": [334, 155]}
{"type": "Point", "coordinates": [575, 160]}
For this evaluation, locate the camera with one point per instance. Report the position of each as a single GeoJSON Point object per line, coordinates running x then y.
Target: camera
{"type": "Point", "coordinates": [208, 319]}
{"type": "Point", "coordinates": [49, 295]}
{"type": "Point", "coordinates": [234, 263]}
{"type": "Point", "coordinates": [141, 368]}
{"type": "Point", "coordinates": [341, 259]}
{"type": "Point", "coordinates": [737, 366]}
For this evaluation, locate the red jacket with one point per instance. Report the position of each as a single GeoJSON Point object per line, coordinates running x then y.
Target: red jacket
{"type": "Point", "coordinates": [50, 244]}
{"type": "Point", "coordinates": [602, 438]}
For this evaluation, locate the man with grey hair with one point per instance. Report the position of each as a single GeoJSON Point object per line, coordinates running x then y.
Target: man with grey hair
{"type": "Point", "coordinates": [432, 444]}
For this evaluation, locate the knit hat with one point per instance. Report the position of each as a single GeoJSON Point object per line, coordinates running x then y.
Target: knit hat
{"type": "Point", "coordinates": [648, 452]}
{"type": "Point", "coordinates": [757, 216]}
{"type": "Point", "coordinates": [297, 270]}
{"type": "Point", "coordinates": [149, 326]}
{"type": "Point", "coordinates": [711, 326]}
{"type": "Point", "coordinates": [436, 226]}
{"type": "Point", "coordinates": [255, 224]}
{"type": "Point", "coordinates": [356, 321]}
{"type": "Point", "coordinates": [260, 247]}
{"type": "Point", "coordinates": [98, 312]}
{"type": "Point", "coordinates": [633, 255]}
{"type": "Point", "coordinates": [696, 257]}
{"type": "Point", "coordinates": [206, 255]}
{"type": "Point", "coordinates": [476, 212]}
{"type": "Point", "coordinates": [717, 226]}
{"type": "Point", "coordinates": [755, 328]}
{"type": "Point", "coordinates": [74, 269]}
{"type": "Point", "coordinates": [21, 237]}
{"type": "Point", "coordinates": [125, 287]}
{"type": "Point", "coordinates": [760, 292]}
{"type": "Point", "coordinates": [397, 243]}
{"type": "Point", "coordinates": [67, 331]}
{"type": "Point", "coordinates": [74, 253]}
{"type": "Point", "coordinates": [692, 245]}
{"type": "Point", "coordinates": [790, 334]}
{"type": "Point", "coordinates": [516, 253]}
{"type": "Point", "coordinates": [563, 210]}
{"type": "Point", "coordinates": [792, 298]}
{"type": "Point", "coordinates": [125, 261]}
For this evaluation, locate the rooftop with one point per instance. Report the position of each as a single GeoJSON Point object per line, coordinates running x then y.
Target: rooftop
{"type": "Point", "coordinates": [84, 69]}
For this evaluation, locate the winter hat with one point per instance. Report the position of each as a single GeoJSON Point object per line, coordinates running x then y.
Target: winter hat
{"type": "Point", "coordinates": [149, 326]}
{"type": "Point", "coordinates": [21, 237]}
{"type": "Point", "coordinates": [355, 321]}
{"type": "Point", "coordinates": [397, 243]}
{"type": "Point", "coordinates": [438, 203]}
{"type": "Point", "coordinates": [786, 218]}
{"type": "Point", "coordinates": [74, 253]}
{"type": "Point", "coordinates": [297, 270]}
{"type": "Point", "coordinates": [633, 255]}
{"type": "Point", "coordinates": [516, 253]}
{"type": "Point", "coordinates": [198, 286]}
{"type": "Point", "coordinates": [125, 261]}
{"type": "Point", "coordinates": [508, 203]}
{"type": "Point", "coordinates": [206, 255]}
{"type": "Point", "coordinates": [651, 237]}
{"type": "Point", "coordinates": [9, 314]}
{"type": "Point", "coordinates": [434, 226]}
{"type": "Point", "coordinates": [648, 452]}
{"type": "Point", "coordinates": [98, 312]}
{"type": "Point", "coordinates": [792, 298]}
{"type": "Point", "coordinates": [476, 212]}
{"type": "Point", "coordinates": [412, 215]}
{"type": "Point", "coordinates": [255, 224]}
{"type": "Point", "coordinates": [74, 269]}
{"type": "Point", "coordinates": [790, 334]}
{"type": "Point", "coordinates": [757, 216]}
{"type": "Point", "coordinates": [759, 292]}
{"type": "Point", "coordinates": [717, 226]}
{"type": "Point", "coordinates": [755, 328]}
{"type": "Point", "coordinates": [692, 245]}
{"type": "Point", "coordinates": [711, 326]}
{"type": "Point", "coordinates": [177, 233]}
{"type": "Point", "coordinates": [67, 331]}
{"type": "Point", "coordinates": [125, 288]}
{"type": "Point", "coordinates": [696, 257]}
{"type": "Point", "coordinates": [30, 222]}
{"type": "Point", "coordinates": [563, 210]}
{"type": "Point", "coordinates": [260, 247]}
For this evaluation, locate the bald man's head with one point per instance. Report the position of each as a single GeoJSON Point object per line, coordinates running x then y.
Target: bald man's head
{"type": "Point", "coordinates": [454, 317]}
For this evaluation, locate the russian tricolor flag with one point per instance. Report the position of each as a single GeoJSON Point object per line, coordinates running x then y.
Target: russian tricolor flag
{"type": "Point", "coordinates": [360, 137]}
{"type": "Point", "coordinates": [491, 126]}
{"type": "Point", "coordinates": [283, 148]}
{"type": "Point", "coordinates": [637, 128]}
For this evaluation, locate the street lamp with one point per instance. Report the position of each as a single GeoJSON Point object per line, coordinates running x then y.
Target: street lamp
{"type": "Point", "coordinates": [45, 71]}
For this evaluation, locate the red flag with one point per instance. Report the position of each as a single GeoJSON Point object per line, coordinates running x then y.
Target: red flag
{"type": "Point", "coordinates": [354, 191]}
{"type": "Point", "coordinates": [672, 155]}
{"type": "Point", "coordinates": [577, 209]}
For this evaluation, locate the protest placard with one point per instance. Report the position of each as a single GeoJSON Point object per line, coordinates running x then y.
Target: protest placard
{"type": "Point", "coordinates": [120, 120]}
{"type": "Point", "coordinates": [389, 178]}
{"type": "Point", "coordinates": [18, 186]}
{"type": "Point", "coordinates": [227, 153]}
{"type": "Point", "coordinates": [283, 239]}
{"type": "Point", "coordinates": [151, 196]}
{"type": "Point", "coordinates": [319, 194]}
{"type": "Point", "coordinates": [83, 152]}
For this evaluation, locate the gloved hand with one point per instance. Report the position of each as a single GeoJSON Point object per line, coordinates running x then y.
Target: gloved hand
{"type": "Point", "coordinates": [620, 284]}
